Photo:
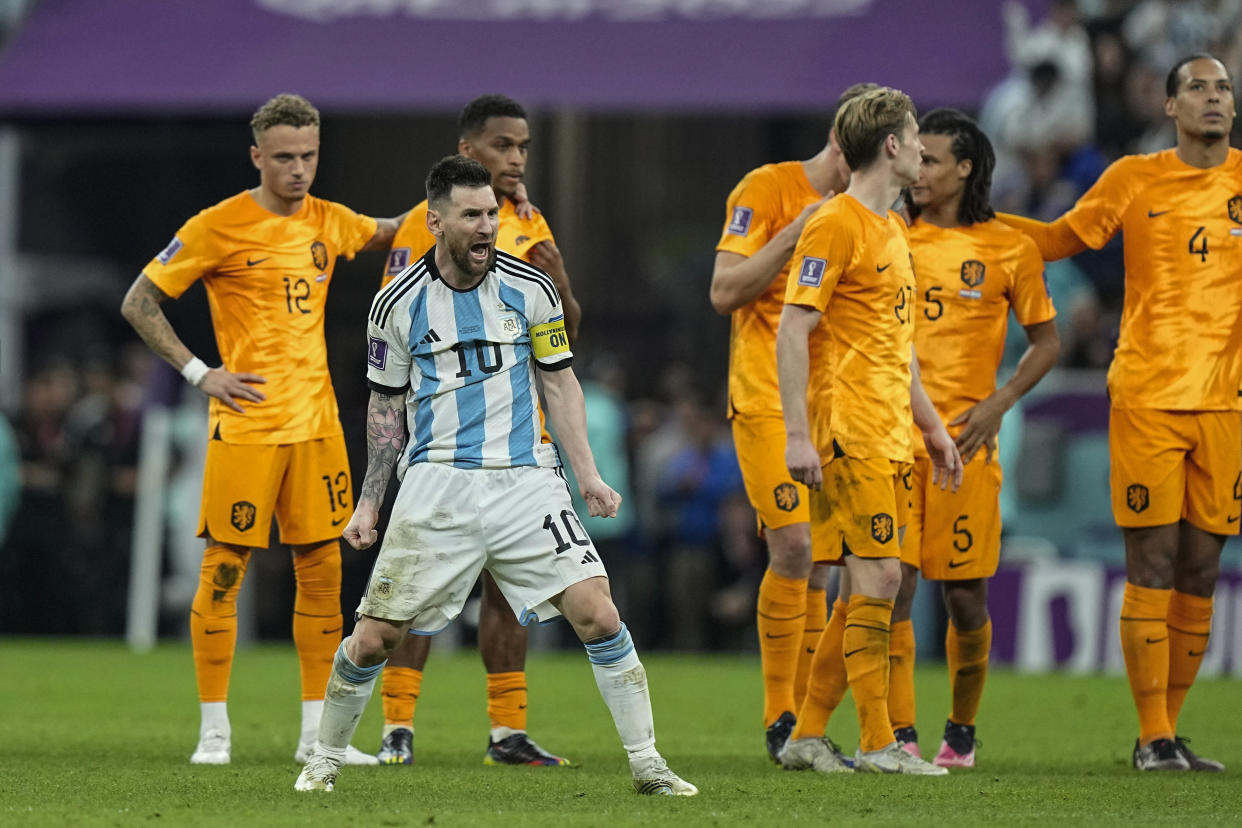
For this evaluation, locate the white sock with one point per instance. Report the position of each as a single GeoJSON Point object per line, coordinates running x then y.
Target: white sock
{"type": "Point", "coordinates": [349, 690]}
{"type": "Point", "coordinates": [312, 712]}
{"type": "Point", "coordinates": [215, 716]}
{"type": "Point", "coordinates": [499, 734]}
{"type": "Point", "coordinates": [389, 728]}
{"type": "Point", "coordinates": [622, 682]}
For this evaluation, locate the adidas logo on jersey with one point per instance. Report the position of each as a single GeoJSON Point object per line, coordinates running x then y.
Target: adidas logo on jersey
{"type": "Point", "coordinates": [588, 558]}
{"type": "Point", "coordinates": [429, 338]}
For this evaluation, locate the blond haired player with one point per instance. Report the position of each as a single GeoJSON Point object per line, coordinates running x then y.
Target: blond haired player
{"type": "Point", "coordinates": [493, 130]}
{"type": "Point", "coordinates": [849, 388]}
{"type": "Point", "coordinates": [1175, 387]}
{"type": "Point", "coordinates": [972, 271]}
{"type": "Point", "coordinates": [266, 257]}
{"type": "Point", "coordinates": [765, 215]}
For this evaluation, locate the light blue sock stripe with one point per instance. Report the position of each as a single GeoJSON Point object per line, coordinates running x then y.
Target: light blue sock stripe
{"type": "Point", "coordinates": [611, 650]}
{"type": "Point", "coordinates": [351, 672]}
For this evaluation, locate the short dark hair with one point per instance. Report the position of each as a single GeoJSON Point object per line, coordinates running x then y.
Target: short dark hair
{"type": "Point", "coordinates": [863, 124]}
{"type": "Point", "coordinates": [474, 115]}
{"type": "Point", "coordinates": [969, 143]}
{"type": "Point", "coordinates": [1171, 82]}
{"type": "Point", "coordinates": [454, 171]}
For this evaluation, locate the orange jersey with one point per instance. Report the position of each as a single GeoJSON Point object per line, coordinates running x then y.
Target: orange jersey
{"type": "Point", "coordinates": [763, 202]}
{"type": "Point", "coordinates": [855, 268]}
{"type": "Point", "coordinates": [267, 280]}
{"type": "Point", "coordinates": [515, 236]}
{"type": "Point", "coordinates": [968, 279]}
{"type": "Point", "coordinates": [1180, 347]}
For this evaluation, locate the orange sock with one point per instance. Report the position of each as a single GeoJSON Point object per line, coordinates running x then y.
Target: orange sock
{"type": "Point", "coordinates": [213, 620]}
{"type": "Point", "coordinates": [317, 615]}
{"type": "Point", "coordinates": [1145, 644]}
{"type": "Point", "coordinates": [1190, 626]}
{"type": "Point", "coordinates": [967, 654]}
{"type": "Point", "coordinates": [781, 619]}
{"type": "Point", "coordinates": [506, 700]}
{"type": "Point", "coordinates": [865, 646]}
{"type": "Point", "coordinates": [399, 690]}
{"type": "Point", "coordinates": [901, 674]}
{"type": "Point", "coordinates": [812, 629]}
{"type": "Point", "coordinates": [826, 684]}
{"type": "Point", "coordinates": [835, 681]}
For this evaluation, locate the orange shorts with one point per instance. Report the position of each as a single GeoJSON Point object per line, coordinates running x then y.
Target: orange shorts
{"type": "Point", "coordinates": [778, 499]}
{"type": "Point", "coordinates": [864, 503]}
{"type": "Point", "coordinates": [306, 485]}
{"type": "Point", "coordinates": [955, 536]}
{"type": "Point", "coordinates": [1166, 466]}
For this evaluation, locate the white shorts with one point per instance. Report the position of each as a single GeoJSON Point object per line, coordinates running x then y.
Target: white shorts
{"type": "Point", "coordinates": [448, 524]}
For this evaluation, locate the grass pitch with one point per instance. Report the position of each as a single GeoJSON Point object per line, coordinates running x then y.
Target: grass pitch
{"type": "Point", "coordinates": [95, 735]}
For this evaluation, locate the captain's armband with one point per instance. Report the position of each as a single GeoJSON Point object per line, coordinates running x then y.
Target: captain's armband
{"type": "Point", "coordinates": [549, 339]}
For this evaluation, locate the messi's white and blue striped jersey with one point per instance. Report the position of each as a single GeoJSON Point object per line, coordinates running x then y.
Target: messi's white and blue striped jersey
{"type": "Point", "coordinates": [467, 358]}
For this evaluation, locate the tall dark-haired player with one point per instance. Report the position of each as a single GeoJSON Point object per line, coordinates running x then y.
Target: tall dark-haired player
{"type": "Point", "coordinates": [1175, 462]}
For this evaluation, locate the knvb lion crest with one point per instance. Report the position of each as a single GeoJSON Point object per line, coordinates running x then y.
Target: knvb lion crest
{"type": "Point", "coordinates": [1137, 497]}
{"type": "Point", "coordinates": [786, 496]}
{"type": "Point", "coordinates": [1235, 209]}
{"type": "Point", "coordinates": [882, 527]}
{"type": "Point", "coordinates": [972, 272]}
{"type": "Point", "coordinates": [243, 515]}
{"type": "Point", "coordinates": [319, 255]}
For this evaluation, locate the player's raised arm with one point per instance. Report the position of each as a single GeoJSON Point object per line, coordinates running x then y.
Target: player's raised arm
{"type": "Point", "coordinates": [738, 280]}
{"type": "Point", "coordinates": [385, 231]}
{"type": "Point", "coordinates": [141, 308]}
{"type": "Point", "coordinates": [1055, 239]}
{"type": "Point", "coordinates": [793, 370]}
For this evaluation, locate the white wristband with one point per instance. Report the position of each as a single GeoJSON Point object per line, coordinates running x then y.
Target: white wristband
{"type": "Point", "coordinates": [194, 371]}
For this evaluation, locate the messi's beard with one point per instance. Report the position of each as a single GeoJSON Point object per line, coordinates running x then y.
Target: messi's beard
{"type": "Point", "coordinates": [461, 257]}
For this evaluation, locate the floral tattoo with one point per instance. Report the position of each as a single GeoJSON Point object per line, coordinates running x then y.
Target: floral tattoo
{"type": "Point", "coordinates": [385, 438]}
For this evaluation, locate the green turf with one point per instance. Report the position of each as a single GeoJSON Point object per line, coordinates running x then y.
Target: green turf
{"type": "Point", "coordinates": [94, 735]}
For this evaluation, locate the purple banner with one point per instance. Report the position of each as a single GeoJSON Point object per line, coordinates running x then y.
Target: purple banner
{"type": "Point", "coordinates": [105, 56]}
{"type": "Point", "coordinates": [1062, 615]}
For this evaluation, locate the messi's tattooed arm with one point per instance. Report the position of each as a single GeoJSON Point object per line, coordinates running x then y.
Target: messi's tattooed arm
{"type": "Point", "coordinates": [385, 439]}
{"type": "Point", "coordinates": [141, 308]}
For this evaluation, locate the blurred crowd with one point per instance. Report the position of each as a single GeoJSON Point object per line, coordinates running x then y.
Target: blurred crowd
{"type": "Point", "coordinates": [1086, 86]}
{"type": "Point", "coordinates": [72, 449]}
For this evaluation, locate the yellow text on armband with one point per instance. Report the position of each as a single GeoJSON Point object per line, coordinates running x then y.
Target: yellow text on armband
{"type": "Point", "coordinates": [549, 339]}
